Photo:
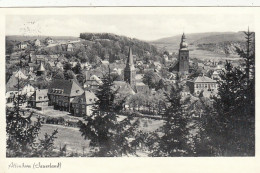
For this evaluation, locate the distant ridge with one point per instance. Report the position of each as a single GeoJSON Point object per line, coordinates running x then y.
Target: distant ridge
{"type": "Point", "coordinates": [200, 38]}
{"type": "Point", "coordinates": [41, 37]}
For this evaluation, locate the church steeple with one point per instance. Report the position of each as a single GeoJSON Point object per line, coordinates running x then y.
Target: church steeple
{"type": "Point", "coordinates": [183, 43]}
{"type": "Point", "coordinates": [183, 56]}
{"type": "Point", "coordinates": [129, 72]}
{"type": "Point", "coordinates": [130, 61]}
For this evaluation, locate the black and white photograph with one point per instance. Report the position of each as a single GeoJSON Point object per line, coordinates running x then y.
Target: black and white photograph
{"type": "Point", "coordinates": [130, 85]}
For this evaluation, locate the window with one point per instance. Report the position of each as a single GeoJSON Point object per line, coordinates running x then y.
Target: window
{"type": "Point", "coordinates": [77, 91]}
{"type": "Point", "coordinates": [83, 106]}
{"type": "Point", "coordinates": [197, 86]}
{"type": "Point", "coordinates": [77, 111]}
{"type": "Point", "coordinates": [40, 98]}
{"type": "Point", "coordinates": [90, 100]}
{"type": "Point", "coordinates": [205, 85]}
{"type": "Point", "coordinates": [45, 97]}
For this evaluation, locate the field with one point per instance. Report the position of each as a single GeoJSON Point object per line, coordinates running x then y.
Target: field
{"type": "Point", "coordinates": [75, 142]}
{"type": "Point", "coordinates": [66, 135]}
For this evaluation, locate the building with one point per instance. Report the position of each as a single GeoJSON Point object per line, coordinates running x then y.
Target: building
{"type": "Point", "coordinates": [53, 58]}
{"type": "Point", "coordinates": [203, 84]}
{"type": "Point", "coordinates": [182, 65]}
{"type": "Point", "coordinates": [37, 42]}
{"type": "Point", "coordinates": [28, 90]}
{"type": "Point", "coordinates": [142, 88]}
{"type": "Point", "coordinates": [70, 47]}
{"type": "Point", "coordinates": [215, 75]}
{"type": "Point", "coordinates": [157, 66]}
{"type": "Point", "coordinates": [39, 99]}
{"type": "Point", "coordinates": [61, 93]}
{"type": "Point", "coordinates": [130, 72]}
{"type": "Point", "coordinates": [41, 70]}
{"type": "Point", "coordinates": [93, 83]}
{"type": "Point", "coordinates": [82, 105]}
{"type": "Point", "coordinates": [48, 40]}
{"type": "Point", "coordinates": [40, 58]}
{"type": "Point", "coordinates": [22, 45]}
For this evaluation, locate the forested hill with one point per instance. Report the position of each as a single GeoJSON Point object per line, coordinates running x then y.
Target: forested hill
{"type": "Point", "coordinates": [117, 47]}
{"type": "Point", "coordinates": [219, 42]}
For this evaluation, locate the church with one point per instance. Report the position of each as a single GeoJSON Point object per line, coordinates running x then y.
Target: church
{"type": "Point", "coordinates": [130, 75]}
{"type": "Point", "coordinates": [182, 65]}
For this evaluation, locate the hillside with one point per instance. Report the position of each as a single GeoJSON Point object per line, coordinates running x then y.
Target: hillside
{"type": "Point", "coordinates": [25, 38]}
{"type": "Point", "coordinates": [222, 43]}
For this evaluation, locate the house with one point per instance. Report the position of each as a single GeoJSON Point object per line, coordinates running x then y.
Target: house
{"type": "Point", "coordinates": [93, 83]}
{"type": "Point", "coordinates": [61, 93]}
{"type": "Point", "coordinates": [73, 63]}
{"type": "Point", "coordinates": [82, 105]}
{"type": "Point", "coordinates": [70, 47]}
{"type": "Point", "coordinates": [40, 58]}
{"type": "Point", "coordinates": [85, 66]}
{"type": "Point", "coordinates": [21, 74]}
{"type": "Point", "coordinates": [123, 87]}
{"type": "Point", "coordinates": [141, 88]}
{"type": "Point", "coordinates": [166, 58]}
{"type": "Point", "coordinates": [39, 99]}
{"type": "Point", "coordinates": [12, 86]}
{"type": "Point", "coordinates": [53, 58]}
{"type": "Point", "coordinates": [203, 84]}
{"type": "Point", "coordinates": [139, 63]}
{"type": "Point", "coordinates": [31, 67]}
{"type": "Point", "coordinates": [28, 90]}
{"type": "Point", "coordinates": [117, 71]}
{"type": "Point", "coordinates": [37, 42]}
{"type": "Point", "coordinates": [215, 75]}
{"type": "Point", "coordinates": [22, 45]}
{"type": "Point", "coordinates": [105, 62]}
{"type": "Point", "coordinates": [48, 40]}
{"type": "Point", "coordinates": [156, 65]}
{"type": "Point", "coordinates": [59, 65]}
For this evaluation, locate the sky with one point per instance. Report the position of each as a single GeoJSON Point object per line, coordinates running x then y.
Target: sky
{"type": "Point", "coordinates": [144, 27]}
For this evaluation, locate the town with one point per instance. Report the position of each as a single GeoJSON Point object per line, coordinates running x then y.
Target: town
{"type": "Point", "coordinates": [60, 81]}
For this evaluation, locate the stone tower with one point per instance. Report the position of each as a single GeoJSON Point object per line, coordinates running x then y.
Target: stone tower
{"type": "Point", "coordinates": [183, 56]}
{"type": "Point", "coordinates": [129, 72]}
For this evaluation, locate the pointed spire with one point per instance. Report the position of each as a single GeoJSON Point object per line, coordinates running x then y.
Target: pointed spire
{"type": "Point", "coordinates": [130, 60]}
{"type": "Point", "coordinates": [41, 68]}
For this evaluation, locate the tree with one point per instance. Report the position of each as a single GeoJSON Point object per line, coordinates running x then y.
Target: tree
{"type": "Point", "coordinates": [231, 124]}
{"type": "Point", "coordinates": [108, 135]}
{"type": "Point", "coordinates": [22, 133]}
{"type": "Point", "coordinates": [174, 138]}
{"type": "Point", "coordinates": [151, 79]}
{"type": "Point", "coordinates": [77, 68]}
{"type": "Point", "coordinates": [67, 66]}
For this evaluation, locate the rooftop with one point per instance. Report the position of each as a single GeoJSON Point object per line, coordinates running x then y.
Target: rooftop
{"type": "Point", "coordinates": [203, 79]}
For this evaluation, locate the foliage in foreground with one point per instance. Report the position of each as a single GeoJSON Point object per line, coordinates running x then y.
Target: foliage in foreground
{"type": "Point", "coordinates": [109, 136]}
{"type": "Point", "coordinates": [22, 134]}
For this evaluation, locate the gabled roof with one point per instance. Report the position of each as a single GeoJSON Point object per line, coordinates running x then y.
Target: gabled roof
{"type": "Point", "coordinates": [87, 97]}
{"type": "Point", "coordinates": [40, 56]}
{"type": "Point", "coordinates": [203, 79]}
{"type": "Point", "coordinates": [53, 56]}
{"type": "Point", "coordinates": [94, 77]}
{"type": "Point", "coordinates": [123, 87]}
{"type": "Point", "coordinates": [65, 87]}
